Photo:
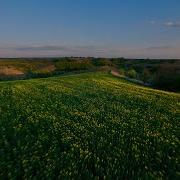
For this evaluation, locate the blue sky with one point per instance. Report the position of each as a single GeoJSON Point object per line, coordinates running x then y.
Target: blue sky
{"type": "Point", "coordinates": [109, 28]}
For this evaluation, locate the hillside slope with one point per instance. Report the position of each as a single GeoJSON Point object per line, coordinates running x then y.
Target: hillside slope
{"type": "Point", "coordinates": [86, 126]}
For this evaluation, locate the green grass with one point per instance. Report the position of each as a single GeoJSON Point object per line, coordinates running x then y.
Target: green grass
{"type": "Point", "coordinates": [87, 126]}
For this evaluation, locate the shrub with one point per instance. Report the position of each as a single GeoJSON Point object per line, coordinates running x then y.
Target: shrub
{"type": "Point", "coordinates": [131, 73]}
{"type": "Point", "coordinates": [146, 75]}
{"type": "Point", "coordinates": [167, 78]}
{"type": "Point", "coordinates": [72, 65]}
{"type": "Point", "coordinates": [122, 71]}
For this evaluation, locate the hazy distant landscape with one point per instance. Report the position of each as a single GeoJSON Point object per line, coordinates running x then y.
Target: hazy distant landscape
{"type": "Point", "coordinates": [89, 90]}
{"type": "Point", "coordinates": [160, 74]}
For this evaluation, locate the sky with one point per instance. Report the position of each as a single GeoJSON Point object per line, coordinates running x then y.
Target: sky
{"type": "Point", "coordinates": [99, 28]}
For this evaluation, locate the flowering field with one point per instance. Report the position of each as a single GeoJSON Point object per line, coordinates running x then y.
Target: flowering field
{"type": "Point", "coordinates": [87, 126]}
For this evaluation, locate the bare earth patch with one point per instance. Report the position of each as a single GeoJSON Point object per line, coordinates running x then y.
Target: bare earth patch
{"type": "Point", "coordinates": [116, 73]}
{"type": "Point", "coordinates": [10, 71]}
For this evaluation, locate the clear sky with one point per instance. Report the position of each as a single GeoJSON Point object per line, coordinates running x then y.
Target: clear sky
{"type": "Point", "coordinates": [109, 28]}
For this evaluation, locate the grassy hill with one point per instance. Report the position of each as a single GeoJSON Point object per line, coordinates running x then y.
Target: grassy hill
{"type": "Point", "coordinates": [87, 126]}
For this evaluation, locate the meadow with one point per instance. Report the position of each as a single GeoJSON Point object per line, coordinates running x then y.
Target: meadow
{"type": "Point", "coordinates": [87, 126]}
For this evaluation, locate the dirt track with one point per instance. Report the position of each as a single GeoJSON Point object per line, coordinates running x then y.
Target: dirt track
{"type": "Point", "coordinates": [117, 74]}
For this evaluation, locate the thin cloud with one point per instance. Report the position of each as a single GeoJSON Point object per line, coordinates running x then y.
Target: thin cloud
{"type": "Point", "coordinates": [57, 48]}
{"type": "Point", "coordinates": [159, 48]}
{"type": "Point", "coordinates": [172, 24]}
{"type": "Point", "coordinates": [47, 50]}
{"type": "Point", "coordinates": [43, 48]}
{"type": "Point", "coordinates": [152, 22]}
{"type": "Point", "coordinates": [161, 51]}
